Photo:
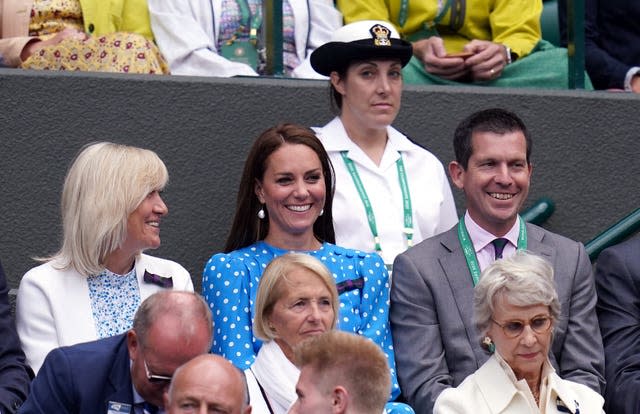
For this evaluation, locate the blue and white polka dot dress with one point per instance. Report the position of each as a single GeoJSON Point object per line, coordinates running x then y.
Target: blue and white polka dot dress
{"type": "Point", "coordinates": [230, 284]}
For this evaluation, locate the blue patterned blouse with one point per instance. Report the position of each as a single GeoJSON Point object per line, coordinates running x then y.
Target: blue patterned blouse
{"type": "Point", "coordinates": [114, 300]}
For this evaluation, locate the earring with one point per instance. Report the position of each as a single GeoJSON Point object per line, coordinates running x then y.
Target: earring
{"type": "Point", "coordinates": [261, 214]}
{"type": "Point", "coordinates": [488, 344]}
{"type": "Point", "coordinates": [321, 212]}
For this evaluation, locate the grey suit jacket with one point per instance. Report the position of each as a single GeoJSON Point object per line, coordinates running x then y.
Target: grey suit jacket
{"type": "Point", "coordinates": [436, 342]}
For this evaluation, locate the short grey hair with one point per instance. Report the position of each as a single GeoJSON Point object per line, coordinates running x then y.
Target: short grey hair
{"type": "Point", "coordinates": [524, 279]}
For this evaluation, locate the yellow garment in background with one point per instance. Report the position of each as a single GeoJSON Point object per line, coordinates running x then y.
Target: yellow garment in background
{"type": "Point", "coordinates": [103, 52]}
{"type": "Point", "coordinates": [515, 23]}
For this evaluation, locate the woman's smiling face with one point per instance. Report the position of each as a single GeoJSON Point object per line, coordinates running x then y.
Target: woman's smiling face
{"type": "Point", "coordinates": [293, 191]}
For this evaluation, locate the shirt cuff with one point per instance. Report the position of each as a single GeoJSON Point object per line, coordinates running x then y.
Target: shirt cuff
{"type": "Point", "coordinates": [635, 70]}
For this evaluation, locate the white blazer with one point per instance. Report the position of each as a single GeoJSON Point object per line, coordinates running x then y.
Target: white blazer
{"type": "Point", "coordinates": [187, 34]}
{"type": "Point", "coordinates": [490, 391]}
{"type": "Point", "coordinates": [53, 308]}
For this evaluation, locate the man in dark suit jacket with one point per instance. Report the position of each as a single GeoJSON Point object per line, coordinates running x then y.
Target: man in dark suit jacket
{"type": "Point", "coordinates": [612, 42]}
{"type": "Point", "coordinates": [435, 339]}
{"type": "Point", "coordinates": [15, 375]}
{"type": "Point", "coordinates": [618, 286]}
{"type": "Point", "coordinates": [127, 373]}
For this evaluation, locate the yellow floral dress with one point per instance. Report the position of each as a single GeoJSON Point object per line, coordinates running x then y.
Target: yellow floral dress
{"type": "Point", "coordinates": [113, 52]}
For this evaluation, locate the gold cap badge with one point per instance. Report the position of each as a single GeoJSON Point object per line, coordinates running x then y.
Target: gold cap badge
{"type": "Point", "coordinates": [380, 35]}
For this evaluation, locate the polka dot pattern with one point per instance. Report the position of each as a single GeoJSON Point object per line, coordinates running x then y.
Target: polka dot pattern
{"type": "Point", "coordinates": [397, 408]}
{"type": "Point", "coordinates": [230, 284]}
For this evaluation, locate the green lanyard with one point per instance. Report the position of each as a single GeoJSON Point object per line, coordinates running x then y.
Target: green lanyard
{"type": "Point", "coordinates": [428, 26]}
{"type": "Point", "coordinates": [406, 200]}
{"type": "Point", "coordinates": [246, 16]}
{"type": "Point", "coordinates": [470, 252]}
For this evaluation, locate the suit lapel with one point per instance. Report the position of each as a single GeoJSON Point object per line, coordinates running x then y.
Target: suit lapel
{"type": "Point", "coordinates": [536, 243]}
{"type": "Point", "coordinates": [457, 273]}
{"type": "Point", "coordinates": [458, 276]}
{"type": "Point", "coordinates": [119, 388]}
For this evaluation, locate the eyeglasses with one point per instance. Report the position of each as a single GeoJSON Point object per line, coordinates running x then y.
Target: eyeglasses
{"type": "Point", "coordinates": [153, 378]}
{"type": "Point", "coordinates": [513, 329]}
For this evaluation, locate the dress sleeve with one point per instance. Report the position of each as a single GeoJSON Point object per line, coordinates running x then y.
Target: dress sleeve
{"type": "Point", "coordinates": [517, 25]}
{"type": "Point", "coordinates": [375, 311]}
{"type": "Point", "coordinates": [182, 39]}
{"type": "Point", "coordinates": [225, 287]}
{"type": "Point", "coordinates": [34, 319]}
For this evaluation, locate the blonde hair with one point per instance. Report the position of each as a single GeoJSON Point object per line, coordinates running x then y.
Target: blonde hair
{"type": "Point", "coordinates": [104, 185]}
{"type": "Point", "coordinates": [352, 361]}
{"type": "Point", "coordinates": [272, 287]}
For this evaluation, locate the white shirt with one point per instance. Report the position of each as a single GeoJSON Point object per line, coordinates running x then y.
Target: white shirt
{"type": "Point", "coordinates": [432, 203]}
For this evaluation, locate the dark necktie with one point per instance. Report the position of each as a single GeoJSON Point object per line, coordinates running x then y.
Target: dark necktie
{"type": "Point", "coordinates": [150, 408]}
{"type": "Point", "coordinates": [498, 245]}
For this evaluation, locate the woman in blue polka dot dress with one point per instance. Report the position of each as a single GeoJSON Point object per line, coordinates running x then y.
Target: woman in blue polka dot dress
{"type": "Point", "coordinates": [284, 204]}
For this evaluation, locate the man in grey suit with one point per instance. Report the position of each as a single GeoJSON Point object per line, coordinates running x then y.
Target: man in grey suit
{"type": "Point", "coordinates": [436, 343]}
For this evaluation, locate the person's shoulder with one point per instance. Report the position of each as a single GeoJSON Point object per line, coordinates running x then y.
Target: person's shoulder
{"type": "Point", "coordinates": [332, 135]}
{"type": "Point", "coordinates": [364, 263]}
{"type": "Point", "coordinates": [93, 360]}
{"type": "Point", "coordinates": [345, 253]}
{"type": "Point", "coordinates": [412, 147]}
{"type": "Point", "coordinates": [627, 249]}
{"type": "Point", "coordinates": [43, 269]}
{"type": "Point", "coordinates": [99, 348]}
{"type": "Point", "coordinates": [433, 246]}
{"type": "Point", "coordinates": [48, 275]}
{"type": "Point", "coordinates": [549, 237]}
{"type": "Point", "coordinates": [240, 258]}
